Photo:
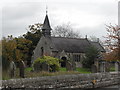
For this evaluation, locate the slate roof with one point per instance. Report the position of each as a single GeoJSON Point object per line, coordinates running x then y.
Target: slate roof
{"type": "Point", "coordinates": [98, 46]}
{"type": "Point", "coordinates": [74, 45]}
{"type": "Point", "coordinates": [70, 45]}
{"type": "Point", "coordinates": [46, 24]}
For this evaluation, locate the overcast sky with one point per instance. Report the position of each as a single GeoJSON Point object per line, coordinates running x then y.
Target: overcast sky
{"type": "Point", "coordinates": [88, 17]}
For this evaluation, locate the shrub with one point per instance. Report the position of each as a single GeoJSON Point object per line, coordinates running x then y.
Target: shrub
{"type": "Point", "coordinates": [91, 55]}
{"type": "Point", "coordinates": [53, 63]}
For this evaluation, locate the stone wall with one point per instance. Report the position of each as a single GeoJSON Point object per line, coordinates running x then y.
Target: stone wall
{"type": "Point", "coordinates": [93, 80]}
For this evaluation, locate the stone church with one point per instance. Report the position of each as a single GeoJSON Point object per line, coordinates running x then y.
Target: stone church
{"type": "Point", "coordinates": [62, 47]}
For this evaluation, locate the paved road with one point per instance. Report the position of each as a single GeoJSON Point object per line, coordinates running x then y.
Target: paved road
{"type": "Point", "coordinates": [115, 87]}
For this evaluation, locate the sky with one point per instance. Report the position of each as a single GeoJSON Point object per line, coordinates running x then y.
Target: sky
{"type": "Point", "coordinates": [87, 17]}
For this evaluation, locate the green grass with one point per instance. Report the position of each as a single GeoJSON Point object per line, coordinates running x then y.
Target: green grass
{"type": "Point", "coordinates": [28, 69]}
{"type": "Point", "coordinates": [39, 74]}
{"type": "Point", "coordinates": [112, 69]}
{"type": "Point", "coordinates": [63, 69]}
{"type": "Point", "coordinates": [83, 70]}
{"type": "Point", "coordinates": [5, 75]}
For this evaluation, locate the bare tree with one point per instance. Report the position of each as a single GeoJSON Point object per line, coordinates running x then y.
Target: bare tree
{"type": "Point", "coordinates": [113, 40]}
{"type": "Point", "coordinates": [94, 39]}
{"type": "Point", "coordinates": [65, 30]}
{"type": "Point", "coordinates": [35, 27]}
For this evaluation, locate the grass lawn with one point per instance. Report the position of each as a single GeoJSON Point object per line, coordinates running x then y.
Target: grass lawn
{"type": "Point", "coordinates": [80, 70]}
{"type": "Point", "coordinates": [28, 69]}
{"type": "Point", "coordinates": [112, 69]}
{"type": "Point", "coordinates": [62, 71]}
{"type": "Point", "coordinates": [83, 70]}
{"type": "Point", "coordinates": [5, 75]}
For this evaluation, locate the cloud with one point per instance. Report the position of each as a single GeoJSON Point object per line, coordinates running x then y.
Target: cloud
{"type": "Point", "coordinates": [87, 15]}
{"type": "Point", "coordinates": [98, 31]}
{"type": "Point", "coordinates": [16, 18]}
{"type": "Point", "coordinates": [22, 10]}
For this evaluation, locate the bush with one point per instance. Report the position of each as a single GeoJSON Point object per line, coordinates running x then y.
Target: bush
{"type": "Point", "coordinates": [52, 62]}
{"type": "Point", "coordinates": [91, 55]}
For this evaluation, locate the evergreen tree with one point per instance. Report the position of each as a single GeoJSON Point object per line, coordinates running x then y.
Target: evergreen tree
{"type": "Point", "coordinates": [91, 54]}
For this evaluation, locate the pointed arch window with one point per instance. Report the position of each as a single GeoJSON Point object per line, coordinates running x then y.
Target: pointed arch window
{"type": "Point", "coordinates": [42, 51]}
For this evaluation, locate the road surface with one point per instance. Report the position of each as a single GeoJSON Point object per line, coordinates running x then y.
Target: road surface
{"type": "Point", "coordinates": [114, 87]}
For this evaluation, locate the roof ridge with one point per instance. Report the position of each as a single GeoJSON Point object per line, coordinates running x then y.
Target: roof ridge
{"type": "Point", "coordinates": [94, 42]}
{"type": "Point", "coordinates": [69, 38]}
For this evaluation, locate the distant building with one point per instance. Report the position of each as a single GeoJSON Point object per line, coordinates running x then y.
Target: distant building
{"type": "Point", "coordinates": [61, 47]}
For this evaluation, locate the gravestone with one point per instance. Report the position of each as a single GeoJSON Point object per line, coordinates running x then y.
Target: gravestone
{"type": "Point", "coordinates": [45, 67]}
{"type": "Point", "coordinates": [107, 66]}
{"type": "Point", "coordinates": [94, 69]}
{"type": "Point", "coordinates": [37, 67]}
{"type": "Point", "coordinates": [52, 68]}
{"type": "Point", "coordinates": [12, 69]}
{"type": "Point", "coordinates": [21, 68]}
{"type": "Point", "coordinates": [102, 67]}
{"type": "Point", "coordinates": [74, 66]}
{"type": "Point", "coordinates": [41, 67]}
{"type": "Point", "coordinates": [97, 64]}
{"type": "Point", "coordinates": [69, 66]}
{"type": "Point", "coordinates": [117, 66]}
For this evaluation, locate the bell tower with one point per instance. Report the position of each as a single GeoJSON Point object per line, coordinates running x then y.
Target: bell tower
{"type": "Point", "coordinates": [46, 29]}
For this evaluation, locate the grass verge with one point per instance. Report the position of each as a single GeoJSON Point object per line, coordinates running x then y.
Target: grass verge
{"type": "Point", "coordinates": [83, 70]}
{"type": "Point", "coordinates": [63, 71]}
{"type": "Point", "coordinates": [39, 74]}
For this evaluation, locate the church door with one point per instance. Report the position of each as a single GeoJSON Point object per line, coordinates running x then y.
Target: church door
{"type": "Point", "coordinates": [63, 62]}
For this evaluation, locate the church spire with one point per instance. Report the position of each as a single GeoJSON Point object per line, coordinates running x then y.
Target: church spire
{"type": "Point", "coordinates": [46, 9]}
{"type": "Point", "coordinates": [46, 29]}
